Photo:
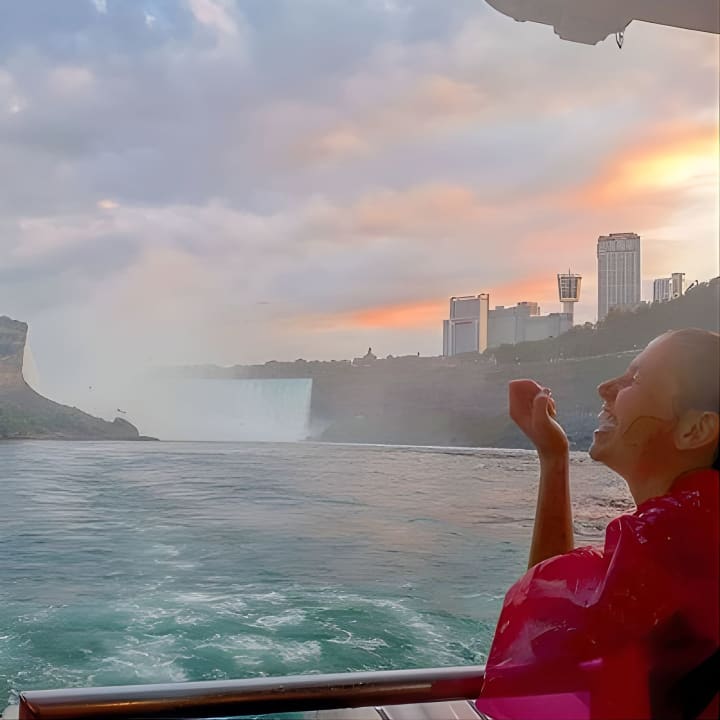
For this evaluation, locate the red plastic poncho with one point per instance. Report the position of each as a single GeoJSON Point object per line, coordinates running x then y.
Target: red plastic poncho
{"type": "Point", "coordinates": [610, 633]}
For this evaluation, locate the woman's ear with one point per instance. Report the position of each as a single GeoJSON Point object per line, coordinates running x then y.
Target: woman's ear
{"type": "Point", "coordinates": [697, 429]}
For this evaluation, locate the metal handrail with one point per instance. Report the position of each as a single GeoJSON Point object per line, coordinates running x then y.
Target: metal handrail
{"type": "Point", "coordinates": [256, 696]}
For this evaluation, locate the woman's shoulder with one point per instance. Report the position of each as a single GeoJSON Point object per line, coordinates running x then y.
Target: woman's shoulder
{"type": "Point", "coordinates": [688, 513]}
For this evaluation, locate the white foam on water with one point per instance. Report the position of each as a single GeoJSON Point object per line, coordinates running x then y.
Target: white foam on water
{"type": "Point", "coordinates": [301, 651]}
{"type": "Point", "coordinates": [360, 643]}
{"type": "Point", "coordinates": [146, 659]}
{"type": "Point", "coordinates": [163, 549]}
{"type": "Point", "coordinates": [257, 649]}
{"type": "Point", "coordinates": [274, 622]}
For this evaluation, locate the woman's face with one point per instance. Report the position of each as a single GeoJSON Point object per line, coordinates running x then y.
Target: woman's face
{"type": "Point", "coordinates": [638, 417]}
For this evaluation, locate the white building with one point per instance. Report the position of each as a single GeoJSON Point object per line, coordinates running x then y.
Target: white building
{"type": "Point", "coordinates": [467, 328]}
{"type": "Point", "coordinates": [618, 256]}
{"type": "Point", "coordinates": [665, 289]}
{"type": "Point", "coordinates": [507, 325]}
{"type": "Point", "coordinates": [662, 289]}
{"type": "Point", "coordinates": [523, 322]}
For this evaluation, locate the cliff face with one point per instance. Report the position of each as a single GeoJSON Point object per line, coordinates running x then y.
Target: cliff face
{"type": "Point", "coordinates": [13, 335]}
{"type": "Point", "coordinates": [24, 414]}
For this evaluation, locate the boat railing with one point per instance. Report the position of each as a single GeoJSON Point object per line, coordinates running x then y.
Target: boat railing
{"type": "Point", "coordinates": [257, 696]}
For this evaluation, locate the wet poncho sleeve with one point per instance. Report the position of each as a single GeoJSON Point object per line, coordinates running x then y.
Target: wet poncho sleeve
{"type": "Point", "coordinates": [616, 632]}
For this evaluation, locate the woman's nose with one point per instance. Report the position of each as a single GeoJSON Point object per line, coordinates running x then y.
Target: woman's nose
{"type": "Point", "coordinates": [605, 390]}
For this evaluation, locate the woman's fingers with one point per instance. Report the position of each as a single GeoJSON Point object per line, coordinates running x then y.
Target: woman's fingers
{"type": "Point", "coordinates": [521, 395]}
{"type": "Point", "coordinates": [543, 406]}
{"type": "Point", "coordinates": [533, 410]}
{"type": "Point", "coordinates": [552, 410]}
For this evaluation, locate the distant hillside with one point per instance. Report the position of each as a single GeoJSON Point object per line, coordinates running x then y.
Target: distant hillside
{"type": "Point", "coordinates": [24, 414]}
{"type": "Point", "coordinates": [619, 331]}
{"type": "Point", "coordinates": [463, 400]}
{"type": "Point", "coordinates": [459, 401]}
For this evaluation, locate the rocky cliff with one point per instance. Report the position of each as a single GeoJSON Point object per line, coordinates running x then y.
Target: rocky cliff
{"type": "Point", "coordinates": [24, 414]}
{"type": "Point", "coordinates": [13, 335]}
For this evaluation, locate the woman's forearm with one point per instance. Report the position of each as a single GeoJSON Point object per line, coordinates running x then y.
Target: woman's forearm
{"type": "Point", "coordinates": [553, 530]}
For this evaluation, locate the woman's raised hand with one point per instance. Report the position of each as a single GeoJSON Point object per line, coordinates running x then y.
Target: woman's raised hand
{"type": "Point", "coordinates": [533, 411]}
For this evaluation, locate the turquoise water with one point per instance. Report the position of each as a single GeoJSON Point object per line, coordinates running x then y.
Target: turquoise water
{"type": "Point", "coordinates": [153, 562]}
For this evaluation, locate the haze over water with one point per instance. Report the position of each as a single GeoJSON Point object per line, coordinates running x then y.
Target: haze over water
{"type": "Point", "coordinates": [131, 563]}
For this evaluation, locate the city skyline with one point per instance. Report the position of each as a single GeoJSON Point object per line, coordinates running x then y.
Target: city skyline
{"type": "Point", "coordinates": [216, 181]}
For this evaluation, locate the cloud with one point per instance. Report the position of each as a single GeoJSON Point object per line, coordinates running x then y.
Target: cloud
{"type": "Point", "coordinates": [406, 316]}
{"type": "Point", "coordinates": [434, 102]}
{"type": "Point", "coordinates": [676, 158]}
{"type": "Point", "coordinates": [348, 165]}
{"type": "Point", "coordinates": [438, 211]}
{"type": "Point", "coordinates": [429, 313]}
{"type": "Point", "coordinates": [70, 80]}
{"type": "Point", "coordinates": [214, 14]}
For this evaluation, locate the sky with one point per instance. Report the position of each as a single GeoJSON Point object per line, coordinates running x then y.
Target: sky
{"type": "Point", "coordinates": [219, 181]}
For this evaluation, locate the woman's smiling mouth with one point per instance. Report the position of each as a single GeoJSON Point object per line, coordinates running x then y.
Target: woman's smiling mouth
{"type": "Point", "coordinates": [607, 421]}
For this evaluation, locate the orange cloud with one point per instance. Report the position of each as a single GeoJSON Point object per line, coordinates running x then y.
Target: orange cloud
{"type": "Point", "coordinates": [429, 313]}
{"type": "Point", "coordinates": [536, 288]}
{"type": "Point", "coordinates": [422, 314]}
{"type": "Point", "coordinates": [674, 159]}
{"type": "Point", "coordinates": [441, 96]}
{"type": "Point", "coordinates": [338, 142]}
{"type": "Point", "coordinates": [438, 210]}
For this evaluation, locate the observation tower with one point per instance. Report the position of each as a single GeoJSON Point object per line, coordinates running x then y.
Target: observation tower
{"type": "Point", "coordinates": [569, 291]}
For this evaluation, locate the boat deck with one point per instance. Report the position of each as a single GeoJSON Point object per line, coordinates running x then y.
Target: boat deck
{"type": "Point", "coordinates": [457, 710]}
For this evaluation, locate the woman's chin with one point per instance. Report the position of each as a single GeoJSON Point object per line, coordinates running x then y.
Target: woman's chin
{"type": "Point", "coordinates": [599, 444]}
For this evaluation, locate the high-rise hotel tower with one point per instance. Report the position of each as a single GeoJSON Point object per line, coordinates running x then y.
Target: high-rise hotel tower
{"type": "Point", "coordinates": [618, 256]}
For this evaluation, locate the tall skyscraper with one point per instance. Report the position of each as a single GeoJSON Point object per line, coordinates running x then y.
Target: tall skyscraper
{"type": "Point", "coordinates": [467, 328]}
{"type": "Point", "coordinates": [618, 256]}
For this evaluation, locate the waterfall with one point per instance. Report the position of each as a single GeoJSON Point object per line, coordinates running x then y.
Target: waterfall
{"type": "Point", "coordinates": [222, 409]}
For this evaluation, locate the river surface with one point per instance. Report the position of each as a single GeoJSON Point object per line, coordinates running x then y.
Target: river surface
{"type": "Point", "coordinates": [153, 562]}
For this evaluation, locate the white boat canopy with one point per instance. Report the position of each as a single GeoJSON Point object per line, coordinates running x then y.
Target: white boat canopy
{"type": "Point", "coordinates": [590, 21]}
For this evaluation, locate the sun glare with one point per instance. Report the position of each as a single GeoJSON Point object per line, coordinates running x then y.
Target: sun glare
{"type": "Point", "coordinates": [685, 163]}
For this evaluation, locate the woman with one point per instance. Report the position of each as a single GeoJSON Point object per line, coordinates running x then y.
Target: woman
{"type": "Point", "coordinates": [630, 630]}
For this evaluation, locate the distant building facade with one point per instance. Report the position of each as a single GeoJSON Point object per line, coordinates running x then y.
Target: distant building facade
{"type": "Point", "coordinates": [523, 322]}
{"type": "Point", "coordinates": [466, 330]}
{"type": "Point", "coordinates": [665, 289]}
{"type": "Point", "coordinates": [506, 325]}
{"type": "Point", "coordinates": [662, 289]}
{"type": "Point", "coordinates": [618, 256]}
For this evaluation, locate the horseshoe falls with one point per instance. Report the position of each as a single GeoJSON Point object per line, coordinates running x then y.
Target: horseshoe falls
{"type": "Point", "coordinates": [276, 410]}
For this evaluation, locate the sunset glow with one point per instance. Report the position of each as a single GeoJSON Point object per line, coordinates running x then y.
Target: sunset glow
{"type": "Point", "coordinates": [229, 182]}
{"type": "Point", "coordinates": [413, 315]}
{"type": "Point", "coordinates": [679, 160]}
